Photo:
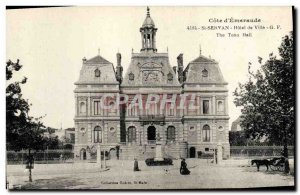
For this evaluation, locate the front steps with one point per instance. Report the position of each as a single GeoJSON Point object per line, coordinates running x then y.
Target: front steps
{"type": "Point", "coordinates": [142, 152]}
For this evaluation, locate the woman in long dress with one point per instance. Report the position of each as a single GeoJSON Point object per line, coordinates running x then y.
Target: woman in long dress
{"type": "Point", "coordinates": [183, 168]}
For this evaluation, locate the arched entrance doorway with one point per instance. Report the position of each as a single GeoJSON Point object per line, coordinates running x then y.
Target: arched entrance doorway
{"type": "Point", "coordinates": [112, 154]}
{"type": "Point", "coordinates": [82, 154]}
{"type": "Point", "coordinates": [151, 133]}
{"type": "Point", "coordinates": [192, 152]}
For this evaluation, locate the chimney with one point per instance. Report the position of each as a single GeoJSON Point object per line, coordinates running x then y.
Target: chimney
{"type": "Point", "coordinates": [180, 68]}
{"type": "Point", "coordinates": [174, 69]}
{"type": "Point", "coordinates": [119, 68]}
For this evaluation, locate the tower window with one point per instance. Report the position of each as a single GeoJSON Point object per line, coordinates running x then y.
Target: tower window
{"type": "Point", "coordinates": [204, 73]}
{"type": "Point", "coordinates": [148, 41]}
{"type": "Point", "coordinates": [97, 73]}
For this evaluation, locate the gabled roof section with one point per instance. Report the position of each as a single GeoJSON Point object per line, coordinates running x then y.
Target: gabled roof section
{"type": "Point", "coordinates": [97, 60]}
{"type": "Point", "coordinates": [203, 70]}
{"type": "Point", "coordinates": [150, 70]}
{"type": "Point", "coordinates": [97, 70]}
{"type": "Point", "coordinates": [204, 59]}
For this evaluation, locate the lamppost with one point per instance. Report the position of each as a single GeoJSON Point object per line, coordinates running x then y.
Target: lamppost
{"type": "Point", "coordinates": [140, 137]}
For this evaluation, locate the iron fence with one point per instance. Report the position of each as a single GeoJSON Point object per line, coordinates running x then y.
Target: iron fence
{"type": "Point", "coordinates": [258, 151]}
{"type": "Point", "coordinates": [41, 157]}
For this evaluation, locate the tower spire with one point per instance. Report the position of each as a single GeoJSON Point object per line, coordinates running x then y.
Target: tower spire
{"type": "Point", "coordinates": [148, 33]}
{"type": "Point", "coordinates": [148, 11]}
{"type": "Point", "coordinates": [200, 49]}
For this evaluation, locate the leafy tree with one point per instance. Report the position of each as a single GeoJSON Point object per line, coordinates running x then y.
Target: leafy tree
{"type": "Point", "coordinates": [268, 98]}
{"type": "Point", "coordinates": [237, 138]}
{"type": "Point", "coordinates": [22, 130]}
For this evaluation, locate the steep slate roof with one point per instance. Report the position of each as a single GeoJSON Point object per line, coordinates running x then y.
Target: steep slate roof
{"type": "Point", "coordinates": [97, 60]}
{"type": "Point", "coordinates": [148, 62]}
{"type": "Point", "coordinates": [204, 59]}
{"type": "Point", "coordinates": [87, 72]}
{"type": "Point", "coordinates": [194, 69]}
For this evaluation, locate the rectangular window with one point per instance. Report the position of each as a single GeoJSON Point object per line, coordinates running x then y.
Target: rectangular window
{"type": "Point", "coordinates": [170, 110]}
{"type": "Point", "coordinates": [205, 106]}
{"type": "Point", "coordinates": [96, 107]}
{"type": "Point", "coordinates": [72, 137]}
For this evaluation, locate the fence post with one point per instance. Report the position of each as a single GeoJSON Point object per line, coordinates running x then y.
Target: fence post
{"type": "Point", "coordinates": [22, 156]}
{"type": "Point", "coordinates": [47, 155]}
{"type": "Point", "coordinates": [247, 149]}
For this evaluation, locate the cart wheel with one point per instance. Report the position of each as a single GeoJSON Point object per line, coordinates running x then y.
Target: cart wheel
{"type": "Point", "coordinates": [281, 168]}
{"type": "Point", "coordinates": [273, 168]}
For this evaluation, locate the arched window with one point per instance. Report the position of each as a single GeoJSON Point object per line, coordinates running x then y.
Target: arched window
{"type": "Point", "coordinates": [131, 134]}
{"type": "Point", "coordinates": [206, 133]}
{"type": "Point", "coordinates": [97, 134]}
{"type": "Point", "coordinates": [171, 133]}
{"type": "Point", "coordinates": [220, 106]}
{"type": "Point", "coordinates": [204, 73]}
{"type": "Point", "coordinates": [112, 107]}
{"type": "Point", "coordinates": [82, 108]}
{"type": "Point", "coordinates": [97, 73]}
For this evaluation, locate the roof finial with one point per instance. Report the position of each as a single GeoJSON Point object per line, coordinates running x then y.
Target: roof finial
{"type": "Point", "coordinates": [200, 50]}
{"type": "Point", "coordinates": [148, 11]}
{"type": "Point", "coordinates": [98, 51]}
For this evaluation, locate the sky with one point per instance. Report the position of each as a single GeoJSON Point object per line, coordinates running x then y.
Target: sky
{"type": "Point", "coordinates": [51, 43]}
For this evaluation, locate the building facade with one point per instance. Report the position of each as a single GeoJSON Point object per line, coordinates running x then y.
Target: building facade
{"type": "Point", "coordinates": [193, 118]}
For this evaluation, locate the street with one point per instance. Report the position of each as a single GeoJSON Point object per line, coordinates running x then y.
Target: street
{"type": "Point", "coordinates": [120, 175]}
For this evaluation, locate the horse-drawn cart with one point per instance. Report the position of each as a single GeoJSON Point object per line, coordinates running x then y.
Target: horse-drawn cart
{"type": "Point", "coordinates": [277, 164]}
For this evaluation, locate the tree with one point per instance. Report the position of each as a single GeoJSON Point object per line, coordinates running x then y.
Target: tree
{"type": "Point", "coordinates": [268, 98]}
{"type": "Point", "coordinates": [22, 130]}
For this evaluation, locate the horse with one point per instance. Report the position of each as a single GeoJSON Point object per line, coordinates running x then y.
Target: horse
{"type": "Point", "coordinates": [261, 162]}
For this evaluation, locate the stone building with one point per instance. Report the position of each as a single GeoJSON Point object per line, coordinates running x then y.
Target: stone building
{"type": "Point", "coordinates": [132, 130]}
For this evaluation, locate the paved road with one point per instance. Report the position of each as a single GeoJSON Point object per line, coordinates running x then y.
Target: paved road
{"type": "Point", "coordinates": [121, 176]}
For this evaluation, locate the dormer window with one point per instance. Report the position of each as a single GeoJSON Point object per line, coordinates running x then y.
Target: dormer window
{"type": "Point", "coordinates": [97, 73]}
{"type": "Point", "coordinates": [204, 73]}
{"type": "Point", "coordinates": [131, 76]}
{"type": "Point", "coordinates": [170, 77]}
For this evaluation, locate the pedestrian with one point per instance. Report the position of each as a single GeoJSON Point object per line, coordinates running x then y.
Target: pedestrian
{"type": "Point", "coordinates": [183, 168]}
{"type": "Point", "coordinates": [136, 165]}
